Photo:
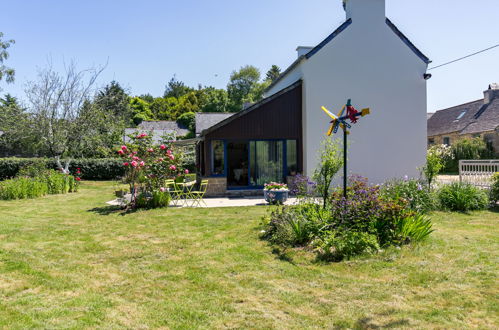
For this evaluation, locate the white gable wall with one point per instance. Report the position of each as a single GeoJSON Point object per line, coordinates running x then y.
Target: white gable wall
{"type": "Point", "coordinates": [370, 64]}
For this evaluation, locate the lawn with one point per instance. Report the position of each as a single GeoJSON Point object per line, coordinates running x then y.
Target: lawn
{"type": "Point", "coordinates": [69, 261]}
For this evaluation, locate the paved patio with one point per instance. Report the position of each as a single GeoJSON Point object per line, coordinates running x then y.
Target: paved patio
{"type": "Point", "coordinates": [220, 202]}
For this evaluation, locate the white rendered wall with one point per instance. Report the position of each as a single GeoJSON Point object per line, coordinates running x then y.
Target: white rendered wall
{"type": "Point", "coordinates": [370, 64]}
{"type": "Point", "coordinates": [291, 77]}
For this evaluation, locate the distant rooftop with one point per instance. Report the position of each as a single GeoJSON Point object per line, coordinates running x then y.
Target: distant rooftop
{"type": "Point", "coordinates": [205, 120]}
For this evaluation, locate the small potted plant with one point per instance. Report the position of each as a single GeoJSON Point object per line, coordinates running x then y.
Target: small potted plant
{"type": "Point", "coordinates": [275, 193]}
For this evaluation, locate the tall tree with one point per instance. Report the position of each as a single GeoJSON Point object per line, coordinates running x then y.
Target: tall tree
{"type": "Point", "coordinates": [114, 99]}
{"type": "Point", "coordinates": [241, 85]}
{"type": "Point", "coordinates": [176, 88]}
{"type": "Point", "coordinates": [56, 102]}
{"type": "Point", "coordinates": [273, 73]}
{"type": "Point", "coordinates": [5, 72]}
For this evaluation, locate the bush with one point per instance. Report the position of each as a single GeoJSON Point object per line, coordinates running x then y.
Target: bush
{"type": "Point", "coordinates": [475, 148]}
{"type": "Point", "coordinates": [366, 220]}
{"type": "Point", "coordinates": [494, 188]}
{"type": "Point", "coordinates": [462, 197]}
{"type": "Point", "coordinates": [339, 245]}
{"type": "Point", "coordinates": [92, 169]}
{"type": "Point", "coordinates": [414, 228]}
{"type": "Point", "coordinates": [49, 182]}
{"type": "Point", "coordinates": [292, 225]}
{"type": "Point", "coordinates": [418, 196]}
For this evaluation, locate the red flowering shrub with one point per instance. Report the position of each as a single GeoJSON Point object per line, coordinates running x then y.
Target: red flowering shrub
{"type": "Point", "coordinates": [147, 166]}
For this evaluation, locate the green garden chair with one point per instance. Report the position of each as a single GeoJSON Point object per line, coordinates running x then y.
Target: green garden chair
{"type": "Point", "coordinates": [176, 191]}
{"type": "Point", "coordinates": [197, 195]}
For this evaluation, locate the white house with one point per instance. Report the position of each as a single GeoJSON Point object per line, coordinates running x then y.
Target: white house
{"type": "Point", "coordinates": [366, 59]}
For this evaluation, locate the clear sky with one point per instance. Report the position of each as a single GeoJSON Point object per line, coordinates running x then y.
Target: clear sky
{"type": "Point", "coordinates": [146, 42]}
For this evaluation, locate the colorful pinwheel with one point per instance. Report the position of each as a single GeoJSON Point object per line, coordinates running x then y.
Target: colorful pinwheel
{"type": "Point", "coordinates": [340, 120]}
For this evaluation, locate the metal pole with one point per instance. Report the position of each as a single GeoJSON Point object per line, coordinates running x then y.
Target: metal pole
{"type": "Point", "coordinates": [345, 162]}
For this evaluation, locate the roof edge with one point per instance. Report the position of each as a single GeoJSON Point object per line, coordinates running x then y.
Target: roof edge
{"type": "Point", "coordinates": [251, 108]}
{"type": "Point", "coordinates": [311, 53]}
{"type": "Point", "coordinates": [407, 41]}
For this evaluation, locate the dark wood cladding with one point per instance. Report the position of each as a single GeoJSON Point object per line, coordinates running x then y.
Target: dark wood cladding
{"type": "Point", "coordinates": [278, 118]}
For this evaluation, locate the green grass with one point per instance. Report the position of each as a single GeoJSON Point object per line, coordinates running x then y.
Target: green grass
{"type": "Point", "coordinates": [67, 261]}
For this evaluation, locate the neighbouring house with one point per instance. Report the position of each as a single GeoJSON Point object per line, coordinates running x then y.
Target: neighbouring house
{"type": "Point", "coordinates": [366, 59]}
{"type": "Point", "coordinates": [157, 129]}
{"type": "Point", "coordinates": [479, 118]}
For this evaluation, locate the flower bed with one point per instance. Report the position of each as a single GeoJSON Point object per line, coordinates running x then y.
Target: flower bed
{"type": "Point", "coordinates": [275, 193]}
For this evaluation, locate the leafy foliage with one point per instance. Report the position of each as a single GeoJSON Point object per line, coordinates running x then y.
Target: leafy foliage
{"type": "Point", "coordinates": [435, 160]}
{"type": "Point", "coordinates": [474, 148]}
{"type": "Point", "coordinates": [462, 197]}
{"type": "Point", "coordinates": [93, 169]}
{"type": "Point", "coordinates": [5, 72]}
{"type": "Point", "coordinates": [494, 188]}
{"type": "Point", "coordinates": [46, 182]}
{"type": "Point", "coordinates": [331, 161]}
{"type": "Point", "coordinates": [416, 193]}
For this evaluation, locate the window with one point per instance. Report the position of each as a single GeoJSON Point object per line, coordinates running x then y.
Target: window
{"type": "Point", "coordinates": [266, 163]}
{"type": "Point", "coordinates": [461, 115]}
{"type": "Point", "coordinates": [217, 157]}
{"type": "Point", "coordinates": [447, 141]}
{"type": "Point", "coordinates": [431, 141]}
{"type": "Point", "coordinates": [291, 157]}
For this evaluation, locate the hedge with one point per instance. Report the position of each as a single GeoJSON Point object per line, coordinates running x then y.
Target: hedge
{"type": "Point", "coordinates": [92, 169]}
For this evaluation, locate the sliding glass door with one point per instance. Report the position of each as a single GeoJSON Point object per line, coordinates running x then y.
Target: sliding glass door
{"type": "Point", "coordinates": [266, 162]}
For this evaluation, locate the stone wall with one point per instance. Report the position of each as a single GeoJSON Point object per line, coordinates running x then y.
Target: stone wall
{"type": "Point", "coordinates": [217, 186]}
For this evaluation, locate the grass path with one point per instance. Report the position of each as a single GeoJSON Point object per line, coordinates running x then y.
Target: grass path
{"type": "Point", "coordinates": [66, 261]}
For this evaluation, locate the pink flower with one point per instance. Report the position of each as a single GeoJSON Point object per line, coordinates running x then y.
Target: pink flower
{"type": "Point", "coordinates": [171, 157]}
{"type": "Point", "coordinates": [161, 159]}
{"type": "Point", "coordinates": [173, 168]}
{"type": "Point", "coordinates": [120, 152]}
{"type": "Point", "coordinates": [142, 163]}
{"type": "Point", "coordinates": [168, 152]}
{"type": "Point", "coordinates": [162, 147]}
{"type": "Point", "coordinates": [162, 189]}
{"type": "Point", "coordinates": [150, 150]}
{"type": "Point", "coordinates": [123, 148]}
{"type": "Point", "coordinates": [186, 171]}
{"type": "Point", "coordinates": [77, 179]}
{"type": "Point", "coordinates": [135, 158]}
{"type": "Point", "coordinates": [126, 164]}
{"type": "Point", "coordinates": [134, 164]}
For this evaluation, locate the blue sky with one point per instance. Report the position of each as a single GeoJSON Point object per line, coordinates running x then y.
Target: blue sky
{"type": "Point", "coordinates": [146, 42]}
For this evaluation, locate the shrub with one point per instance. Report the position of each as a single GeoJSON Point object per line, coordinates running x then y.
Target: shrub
{"type": "Point", "coordinates": [436, 158]}
{"type": "Point", "coordinates": [418, 196]}
{"type": "Point", "coordinates": [494, 188]}
{"type": "Point", "coordinates": [414, 228]}
{"type": "Point", "coordinates": [292, 225]}
{"type": "Point", "coordinates": [475, 148]}
{"type": "Point", "coordinates": [93, 169]}
{"type": "Point", "coordinates": [50, 182]}
{"type": "Point", "coordinates": [462, 197]}
{"type": "Point", "coordinates": [339, 245]}
{"type": "Point", "coordinates": [331, 161]}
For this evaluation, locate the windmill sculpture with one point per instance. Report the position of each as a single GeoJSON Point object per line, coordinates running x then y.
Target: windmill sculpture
{"type": "Point", "coordinates": [341, 121]}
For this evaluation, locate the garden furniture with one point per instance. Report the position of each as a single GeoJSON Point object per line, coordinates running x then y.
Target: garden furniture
{"type": "Point", "coordinates": [197, 195]}
{"type": "Point", "coordinates": [175, 190]}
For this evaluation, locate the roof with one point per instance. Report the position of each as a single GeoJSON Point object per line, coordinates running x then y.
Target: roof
{"type": "Point", "coordinates": [429, 114]}
{"type": "Point", "coordinates": [164, 125]}
{"type": "Point", "coordinates": [469, 118]}
{"type": "Point", "coordinates": [333, 35]}
{"type": "Point", "coordinates": [251, 108]}
{"type": "Point", "coordinates": [205, 120]}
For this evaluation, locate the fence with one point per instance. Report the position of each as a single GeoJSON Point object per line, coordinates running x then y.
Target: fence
{"type": "Point", "coordinates": [478, 172]}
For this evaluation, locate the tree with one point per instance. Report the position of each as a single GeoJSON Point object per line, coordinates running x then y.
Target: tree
{"type": "Point", "coordinates": [435, 160]}
{"type": "Point", "coordinates": [214, 100]}
{"type": "Point", "coordinates": [5, 72]}
{"type": "Point", "coordinates": [241, 85]}
{"type": "Point", "coordinates": [114, 99]}
{"type": "Point", "coordinates": [16, 125]}
{"type": "Point", "coordinates": [331, 161]}
{"type": "Point", "coordinates": [140, 110]}
{"type": "Point", "coordinates": [176, 88]}
{"type": "Point", "coordinates": [273, 73]}
{"type": "Point", "coordinates": [56, 102]}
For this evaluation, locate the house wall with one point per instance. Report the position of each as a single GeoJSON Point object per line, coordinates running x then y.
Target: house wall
{"type": "Point", "coordinates": [489, 136]}
{"type": "Point", "coordinates": [370, 64]}
{"type": "Point", "coordinates": [280, 118]}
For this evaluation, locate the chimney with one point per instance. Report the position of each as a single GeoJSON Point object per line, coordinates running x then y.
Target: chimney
{"type": "Point", "coordinates": [491, 93]}
{"type": "Point", "coordinates": [303, 50]}
{"type": "Point", "coordinates": [365, 10]}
